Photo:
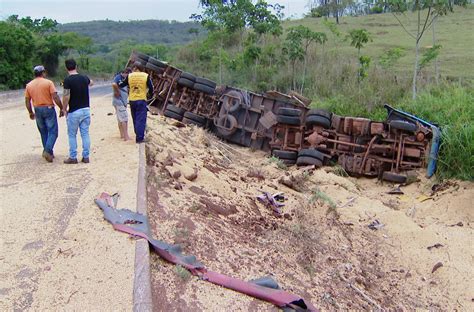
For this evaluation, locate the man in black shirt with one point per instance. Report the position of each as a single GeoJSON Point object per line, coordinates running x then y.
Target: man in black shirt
{"type": "Point", "coordinates": [76, 97]}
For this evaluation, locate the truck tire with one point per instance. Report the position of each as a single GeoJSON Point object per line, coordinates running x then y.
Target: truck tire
{"type": "Point", "coordinates": [311, 153]}
{"type": "Point", "coordinates": [153, 67]}
{"type": "Point", "coordinates": [175, 109]}
{"type": "Point", "coordinates": [142, 56]}
{"type": "Point", "coordinates": [197, 118]}
{"type": "Point", "coordinates": [292, 112]}
{"type": "Point", "coordinates": [156, 62]}
{"type": "Point", "coordinates": [211, 84]}
{"type": "Point", "coordinates": [170, 114]}
{"type": "Point", "coordinates": [317, 120]}
{"type": "Point", "coordinates": [308, 161]}
{"type": "Point", "coordinates": [394, 177]}
{"type": "Point", "coordinates": [288, 120]}
{"type": "Point", "coordinates": [402, 125]}
{"type": "Point", "coordinates": [319, 112]}
{"type": "Point", "coordinates": [185, 83]}
{"type": "Point", "coordinates": [188, 76]}
{"type": "Point", "coordinates": [204, 88]}
{"type": "Point", "coordinates": [290, 155]}
{"type": "Point", "coordinates": [192, 122]}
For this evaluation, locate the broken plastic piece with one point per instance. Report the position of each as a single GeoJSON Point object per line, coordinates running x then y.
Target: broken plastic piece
{"type": "Point", "coordinates": [136, 224]}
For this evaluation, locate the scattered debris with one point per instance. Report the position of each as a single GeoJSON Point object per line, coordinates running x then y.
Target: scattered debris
{"type": "Point", "coordinates": [176, 174]}
{"type": "Point", "coordinates": [193, 176]}
{"type": "Point", "coordinates": [348, 203]}
{"type": "Point", "coordinates": [396, 191]}
{"type": "Point", "coordinates": [360, 292]}
{"type": "Point", "coordinates": [423, 198]}
{"type": "Point", "coordinates": [296, 183]}
{"type": "Point", "coordinates": [436, 267]}
{"type": "Point", "coordinates": [457, 224]}
{"type": "Point", "coordinates": [440, 187]}
{"type": "Point", "coordinates": [437, 245]}
{"type": "Point", "coordinates": [109, 114]}
{"type": "Point", "coordinates": [173, 253]}
{"type": "Point", "coordinates": [376, 225]}
{"type": "Point", "coordinates": [274, 201]}
{"type": "Point", "coordinates": [256, 173]}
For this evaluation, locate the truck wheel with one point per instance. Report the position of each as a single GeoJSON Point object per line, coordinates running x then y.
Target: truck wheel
{"type": "Point", "coordinates": [288, 120]}
{"type": "Point", "coordinates": [319, 112]}
{"type": "Point", "coordinates": [192, 122]}
{"type": "Point", "coordinates": [284, 111]}
{"type": "Point", "coordinates": [153, 67]}
{"type": "Point", "coordinates": [316, 120]}
{"type": "Point", "coordinates": [394, 177]}
{"type": "Point", "coordinates": [290, 155]}
{"type": "Point", "coordinates": [311, 153]}
{"type": "Point", "coordinates": [142, 56]}
{"type": "Point", "coordinates": [170, 114]}
{"type": "Point", "coordinates": [211, 84]}
{"type": "Point", "coordinates": [175, 109]}
{"type": "Point", "coordinates": [204, 88]}
{"type": "Point", "coordinates": [308, 161]}
{"type": "Point", "coordinates": [185, 83]}
{"type": "Point", "coordinates": [188, 76]}
{"type": "Point", "coordinates": [197, 118]}
{"type": "Point", "coordinates": [402, 125]}
{"type": "Point", "coordinates": [156, 62]}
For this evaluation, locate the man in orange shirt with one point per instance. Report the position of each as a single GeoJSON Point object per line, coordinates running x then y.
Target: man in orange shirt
{"type": "Point", "coordinates": [42, 93]}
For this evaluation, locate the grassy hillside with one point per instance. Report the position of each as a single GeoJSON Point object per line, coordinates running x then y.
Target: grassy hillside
{"type": "Point", "coordinates": [149, 31]}
{"type": "Point", "coordinates": [455, 32]}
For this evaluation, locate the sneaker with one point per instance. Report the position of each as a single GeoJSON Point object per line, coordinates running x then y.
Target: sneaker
{"type": "Point", "coordinates": [48, 156]}
{"type": "Point", "coordinates": [70, 161]}
{"type": "Point", "coordinates": [85, 160]}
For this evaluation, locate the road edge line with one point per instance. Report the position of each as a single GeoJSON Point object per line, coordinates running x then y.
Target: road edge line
{"type": "Point", "coordinates": [142, 299]}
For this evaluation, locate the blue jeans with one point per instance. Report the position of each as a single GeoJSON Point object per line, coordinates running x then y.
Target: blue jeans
{"type": "Point", "coordinates": [139, 110]}
{"type": "Point", "coordinates": [79, 119]}
{"type": "Point", "coordinates": [47, 123]}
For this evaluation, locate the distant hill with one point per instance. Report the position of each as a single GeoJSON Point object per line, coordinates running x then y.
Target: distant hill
{"type": "Point", "coordinates": [107, 32]}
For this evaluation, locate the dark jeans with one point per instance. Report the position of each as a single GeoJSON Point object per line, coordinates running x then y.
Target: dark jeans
{"type": "Point", "coordinates": [47, 123]}
{"type": "Point", "coordinates": [139, 110]}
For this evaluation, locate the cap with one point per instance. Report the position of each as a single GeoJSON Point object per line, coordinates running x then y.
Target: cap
{"type": "Point", "coordinates": [38, 69]}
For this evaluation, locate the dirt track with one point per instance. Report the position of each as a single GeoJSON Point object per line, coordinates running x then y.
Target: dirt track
{"type": "Point", "coordinates": [320, 247]}
{"type": "Point", "coordinates": [57, 252]}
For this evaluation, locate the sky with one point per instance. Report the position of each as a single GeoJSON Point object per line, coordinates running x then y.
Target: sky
{"type": "Point", "coordinates": [65, 11]}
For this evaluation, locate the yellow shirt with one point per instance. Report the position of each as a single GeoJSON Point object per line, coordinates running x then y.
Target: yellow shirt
{"type": "Point", "coordinates": [137, 83]}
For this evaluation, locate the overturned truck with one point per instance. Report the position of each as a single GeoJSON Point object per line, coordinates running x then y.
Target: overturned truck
{"type": "Point", "coordinates": [284, 125]}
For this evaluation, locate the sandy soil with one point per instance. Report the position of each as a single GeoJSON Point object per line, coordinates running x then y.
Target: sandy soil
{"type": "Point", "coordinates": [319, 247]}
{"type": "Point", "coordinates": [57, 251]}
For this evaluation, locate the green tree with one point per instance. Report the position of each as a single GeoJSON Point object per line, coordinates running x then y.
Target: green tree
{"type": "Point", "coordinates": [49, 44]}
{"type": "Point", "coordinates": [298, 41]}
{"type": "Point", "coordinates": [426, 13]}
{"type": "Point", "coordinates": [359, 38]}
{"type": "Point", "coordinates": [16, 52]}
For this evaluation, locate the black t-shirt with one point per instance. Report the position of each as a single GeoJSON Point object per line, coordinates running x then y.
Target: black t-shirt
{"type": "Point", "coordinates": [79, 86]}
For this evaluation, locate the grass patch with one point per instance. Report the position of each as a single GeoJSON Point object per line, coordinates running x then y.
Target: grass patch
{"type": "Point", "coordinates": [318, 195]}
{"type": "Point", "coordinates": [182, 272]}
{"type": "Point", "coordinates": [279, 163]}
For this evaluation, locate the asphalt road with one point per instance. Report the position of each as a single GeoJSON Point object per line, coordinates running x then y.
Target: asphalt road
{"type": "Point", "coordinates": [56, 251]}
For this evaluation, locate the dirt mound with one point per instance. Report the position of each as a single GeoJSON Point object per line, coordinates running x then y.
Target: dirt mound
{"type": "Point", "coordinates": [202, 193]}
